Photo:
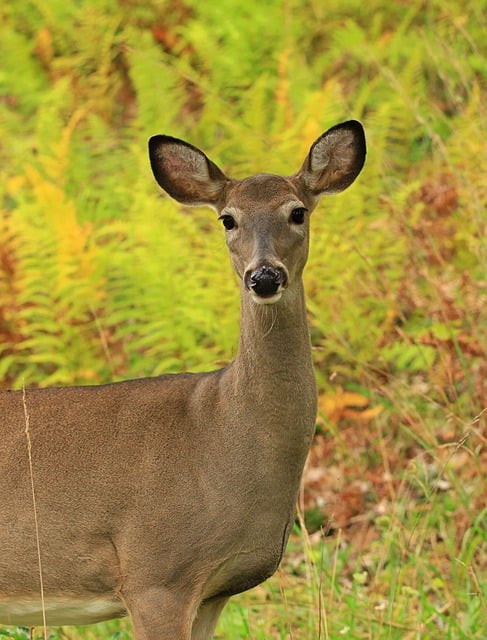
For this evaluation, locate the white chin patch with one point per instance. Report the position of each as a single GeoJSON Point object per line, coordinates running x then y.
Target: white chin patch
{"type": "Point", "coordinates": [269, 300]}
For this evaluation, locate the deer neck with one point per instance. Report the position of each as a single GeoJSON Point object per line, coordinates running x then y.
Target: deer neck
{"type": "Point", "coordinates": [271, 395]}
{"type": "Point", "coordinates": [273, 368]}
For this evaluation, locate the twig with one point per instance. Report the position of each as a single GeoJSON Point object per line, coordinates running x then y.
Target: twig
{"type": "Point", "coordinates": [34, 504]}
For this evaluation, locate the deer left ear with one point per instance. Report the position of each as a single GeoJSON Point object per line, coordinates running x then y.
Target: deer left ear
{"type": "Point", "coordinates": [334, 160]}
{"type": "Point", "coordinates": [185, 172]}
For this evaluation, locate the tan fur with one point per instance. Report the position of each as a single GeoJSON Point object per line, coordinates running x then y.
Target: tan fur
{"type": "Point", "coordinates": [163, 497]}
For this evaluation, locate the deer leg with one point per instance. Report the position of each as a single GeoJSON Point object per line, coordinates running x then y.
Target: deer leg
{"type": "Point", "coordinates": [159, 615]}
{"type": "Point", "coordinates": [205, 622]}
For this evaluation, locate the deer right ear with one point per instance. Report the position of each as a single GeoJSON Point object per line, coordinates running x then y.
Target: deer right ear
{"type": "Point", "coordinates": [185, 172]}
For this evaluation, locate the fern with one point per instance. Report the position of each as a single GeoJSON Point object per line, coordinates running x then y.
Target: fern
{"type": "Point", "coordinates": [102, 277]}
{"type": "Point", "coordinates": [92, 245]}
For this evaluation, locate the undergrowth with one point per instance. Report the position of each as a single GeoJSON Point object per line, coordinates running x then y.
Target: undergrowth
{"type": "Point", "coordinates": [102, 278]}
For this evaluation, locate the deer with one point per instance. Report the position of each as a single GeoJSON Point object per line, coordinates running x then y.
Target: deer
{"type": "Point", "coordinates": [162, 497]}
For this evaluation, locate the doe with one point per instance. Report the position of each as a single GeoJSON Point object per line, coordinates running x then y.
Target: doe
{"type": "Point", "coordinates": [162, 497]}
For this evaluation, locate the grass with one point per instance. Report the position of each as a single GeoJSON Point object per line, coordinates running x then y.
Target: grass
{"type": "Point", "coordinates": [409, 568]}
{"type": "Point", "coordinates": [394, 491]}
{"type": "Point", "coordinates": [415, 576]}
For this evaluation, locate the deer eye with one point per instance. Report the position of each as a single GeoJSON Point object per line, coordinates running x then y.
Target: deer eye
{"type": "Point", "coordinates": [297, 215]}
{"type": "Point", "coordinates": [228, 222]}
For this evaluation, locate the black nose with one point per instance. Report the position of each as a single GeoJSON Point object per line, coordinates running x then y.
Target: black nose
{"type": "Point", "coordinates": [265, 281]}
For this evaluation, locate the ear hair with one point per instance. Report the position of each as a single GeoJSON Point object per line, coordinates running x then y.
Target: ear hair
{"type": "Point", "coordinates": [185, 172]}
{"type": "Point", "coordinates": [334, 160]}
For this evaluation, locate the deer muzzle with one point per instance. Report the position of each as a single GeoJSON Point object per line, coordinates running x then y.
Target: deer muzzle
{"type": "Point", "coordinates": [266, 283]}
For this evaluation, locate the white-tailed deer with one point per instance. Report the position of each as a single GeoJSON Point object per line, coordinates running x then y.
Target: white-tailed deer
{"type": "Point", "coordinates": [161, 498]}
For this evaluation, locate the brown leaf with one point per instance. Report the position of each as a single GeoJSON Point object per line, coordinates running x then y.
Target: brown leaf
{"type": "Point", "coordinates": [347, 404]}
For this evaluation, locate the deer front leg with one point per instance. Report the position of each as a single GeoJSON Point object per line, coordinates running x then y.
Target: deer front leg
{"type": "Point", "coordinates": [206, 619]}
{"type": "Point", "coordinates": [158, 614]}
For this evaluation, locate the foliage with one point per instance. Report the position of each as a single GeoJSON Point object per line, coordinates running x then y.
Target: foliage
{"type": "Point", "coordinates": [102, 278]}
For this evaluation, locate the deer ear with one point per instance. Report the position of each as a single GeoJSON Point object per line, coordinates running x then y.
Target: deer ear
{"type": "Point", "coordinates": [184, 172]}
{"type": "Point", "coordinates": [334, 160]}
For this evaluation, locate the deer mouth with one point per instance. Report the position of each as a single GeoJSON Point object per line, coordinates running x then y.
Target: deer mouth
{"type": "Point", "coordinates": [266, 299]}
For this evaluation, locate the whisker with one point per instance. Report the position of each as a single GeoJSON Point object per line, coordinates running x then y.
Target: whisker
{"type": "Point", "coordinates": [272, 311]}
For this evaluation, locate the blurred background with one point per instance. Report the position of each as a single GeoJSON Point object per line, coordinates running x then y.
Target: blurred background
{"type": "Point", "coordinates": [103, 277]}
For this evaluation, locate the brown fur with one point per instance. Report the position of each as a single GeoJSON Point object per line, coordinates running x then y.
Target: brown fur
{"type": "Point", "coordinates": [162, 497]}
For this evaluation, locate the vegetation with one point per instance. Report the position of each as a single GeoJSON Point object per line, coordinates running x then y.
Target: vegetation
{"type": "Point", "coordinates": [102, 279]}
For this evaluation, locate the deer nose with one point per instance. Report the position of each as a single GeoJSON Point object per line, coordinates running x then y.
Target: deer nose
{"type": "Point", "coordinates": [265, 281]}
